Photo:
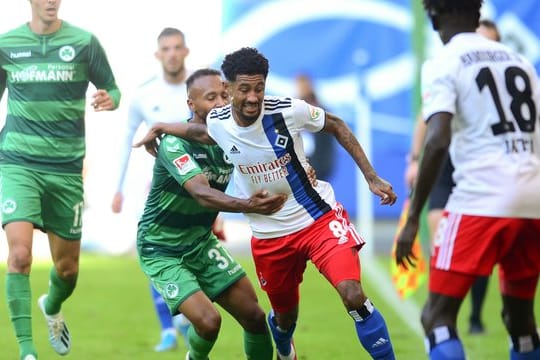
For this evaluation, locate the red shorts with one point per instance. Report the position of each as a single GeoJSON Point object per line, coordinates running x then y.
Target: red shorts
{"type": "Point", "coordinates": [331, 243]}
{"type": "Point", "coordinates": [466, 246]}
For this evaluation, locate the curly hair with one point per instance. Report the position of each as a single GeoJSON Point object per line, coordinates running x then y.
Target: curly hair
{"type": "Point", "coordinates": [246, 61]}
{"type": "Point", "coordinates": [453, 6]}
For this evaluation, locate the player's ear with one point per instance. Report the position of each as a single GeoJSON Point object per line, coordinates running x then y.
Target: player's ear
{"type": "Point", "coordinates": [190, 105]}
{"type": "Point", "coordinates": [228, 87]}
{"type": "Point", "coordinates": [186, 51]}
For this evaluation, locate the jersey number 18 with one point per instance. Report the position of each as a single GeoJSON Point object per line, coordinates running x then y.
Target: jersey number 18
{"type": "Point", "coordinates": [518, 86]}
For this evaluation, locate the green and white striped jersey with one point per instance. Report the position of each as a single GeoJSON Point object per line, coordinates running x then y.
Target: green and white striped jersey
{"type": "Point", "coordinates": [47, 77]}
{"type": "Point", "coordinates": [174, 222]}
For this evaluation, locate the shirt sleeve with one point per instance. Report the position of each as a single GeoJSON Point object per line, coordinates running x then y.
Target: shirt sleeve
{"type": "Point", "coordinates": [308, 117]}
{"type": "Point", "coordinates": [100, 72]}
{"type": "Point", "coordinates": [175, 155]}
{"type": "Point", "coordinates": [438, 88]}
{"type": "Point", "coordinates": [134, 120]}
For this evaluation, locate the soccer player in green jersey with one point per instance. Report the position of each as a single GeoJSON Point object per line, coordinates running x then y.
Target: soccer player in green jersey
{"type": "Point", "coordinates": [46, 66]}
{"type": "Point", "coordinates": [177, 249]}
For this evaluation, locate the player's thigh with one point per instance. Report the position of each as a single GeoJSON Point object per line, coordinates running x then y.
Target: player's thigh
{"type": "Point", "coordinates": [65, 254]}
{"type": "Point", "coordinates": [520, 262]}
{"type": "Point", "coordinates": [21, 191]}
{"type": "Point", "coordinates": [171, 279]}
{"type": "Point", "coordinates": [278, 263]}
{"type": "Point", "coordinates": [63, 205]}
{"type": "Point", "coordinates": [238, 298]}
{"type": "Point", "coordinates": [468, 246]}
{"type": "Point", "coordinates": [241, 302]}
{"type": "Point", "coordinates": [332, 244]}
{"type": "Point", "coordinates": [216, 270]}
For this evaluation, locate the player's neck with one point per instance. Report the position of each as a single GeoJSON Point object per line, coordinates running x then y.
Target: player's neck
{"type": "Point", "coordinates": [449, 32]}
{"type": "Point", "coordinates": [197, 119]}
{"type": "Point", "coordinates": [175, 78]}
{"type": "Point", "coordinates": [44, 28]}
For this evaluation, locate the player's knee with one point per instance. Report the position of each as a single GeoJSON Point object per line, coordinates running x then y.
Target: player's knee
{"type": "Point", "coordinates": [67, 270]}
{"type": "Point", "coordinates": [254, 320]}
{"type": "Point", "coordinates": [426, 318]}
{"type": "Point", "coordinates": [19, 259]}
{"type": "Point", "coordinates": [208, 326]}
{"type": "Point", "coordinates": [352, 295]}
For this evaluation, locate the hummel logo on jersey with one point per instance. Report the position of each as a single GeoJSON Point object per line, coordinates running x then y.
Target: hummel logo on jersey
{"type": "Point", "coordinates": [200, 156]}
{"type": "Point", "coordinates": [234, 150]}
{"type": "Point", "coordinates": [20, 54]}
{"type": "Point", "coordinates": [379, 342]}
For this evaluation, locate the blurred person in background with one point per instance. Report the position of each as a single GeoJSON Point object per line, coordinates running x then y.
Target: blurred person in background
{"type": "Point", "coordinates": [480, 100]}
{"type": "Point", "coordinates": [442, 189]}
{"type": "Point", "coordinates": [46, 66]}
{"type": "Point", "coordinates": [163, 98]}
{"type": "Point", "coordinates": [177, 250]}
{"type": "Point", "coordinates": [319, 146]}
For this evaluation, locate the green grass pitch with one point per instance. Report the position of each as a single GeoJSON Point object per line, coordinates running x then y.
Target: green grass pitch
{"type": "Point", "coordinates": [111, 316]}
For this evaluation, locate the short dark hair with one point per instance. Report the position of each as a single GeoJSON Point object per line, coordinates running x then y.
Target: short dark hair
{"type": "Point", "coordinates": [199, 74]}
{"type": "Point", "coordinates": [458, 7]}
{"type": "Point", "coordinates": [168, 31]}
{"type": "Point", "coordinates": [246, 61]}
{"type": "Point", "coordinates": [490, 25]}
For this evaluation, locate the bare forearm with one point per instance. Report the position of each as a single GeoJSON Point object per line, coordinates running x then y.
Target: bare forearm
{"type": "Point", "coordinates": [418, 139]}
{"type": "Point", "coordinates": [189, 131]}
{"type": "Point", "coordinates": [435, 151]}
{"type": "Point", "coordinates": [215, 199]}
{"type": "Point", "coordinates": [348, 141]}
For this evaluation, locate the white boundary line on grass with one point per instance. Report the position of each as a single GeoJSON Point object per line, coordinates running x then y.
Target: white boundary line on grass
{"type": "Point", "coordinates": [406, 309]}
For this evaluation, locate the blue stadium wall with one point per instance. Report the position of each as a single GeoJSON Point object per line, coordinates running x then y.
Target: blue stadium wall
{"type": "Point", "coordinates": [358, 52]}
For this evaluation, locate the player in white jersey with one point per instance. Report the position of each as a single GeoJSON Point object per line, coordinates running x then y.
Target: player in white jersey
{"type": "Point", "coordinates": [481, 100]}
{"type": "Point", "coordinates": [441, 190]}
{"type": "Point", "coordinates": [161, 99]}
{"type": "Point", "coordinates": [261, 136]}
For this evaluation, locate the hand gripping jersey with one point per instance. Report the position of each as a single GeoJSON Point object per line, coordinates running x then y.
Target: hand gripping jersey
{"type": "Point", "coordinates": [269, 155]}
{"type": "Point", "coordinates": [154, 101]}
{"type": "Point", "coordinates": [47, 77]}
{"type": "Point", "coordinates": [494, 95]}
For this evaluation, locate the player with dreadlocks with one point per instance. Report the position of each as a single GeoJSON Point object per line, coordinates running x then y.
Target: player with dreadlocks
{"type": "Point", "coordinates": [481, 102]}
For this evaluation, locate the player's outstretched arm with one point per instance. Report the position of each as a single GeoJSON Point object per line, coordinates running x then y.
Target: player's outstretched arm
{"type": "Point", "coordinates": [190, 131]}
{"type": "Point", "coordinates": [345, 137]}
{"type": "Point", "coordinates": [261, 202]}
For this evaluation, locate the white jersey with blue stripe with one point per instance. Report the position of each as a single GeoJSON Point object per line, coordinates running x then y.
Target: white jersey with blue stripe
{"type": "Point", "coordinates": [269, 155]}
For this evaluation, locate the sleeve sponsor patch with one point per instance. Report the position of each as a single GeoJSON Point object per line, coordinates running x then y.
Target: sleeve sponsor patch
{"type": "Point", "coordinates": [184, 164]}
{"type": "Point", "coordinates": [314, 112]}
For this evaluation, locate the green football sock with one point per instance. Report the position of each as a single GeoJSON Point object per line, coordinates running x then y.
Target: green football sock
{"type": "Point", "coordinates": [19, 297]}
{"type": "Point", "coordinates": [258, 346]}
{"type": "Point", "coordinates": [199, 348]}
{"type": "Point", "coordinates": [59, 290]}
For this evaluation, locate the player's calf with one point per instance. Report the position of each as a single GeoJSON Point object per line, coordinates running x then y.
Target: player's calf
{"type": "Point", "coordinates": [372, 331]}
{"type": "Point", "coordinates": [282, 338]}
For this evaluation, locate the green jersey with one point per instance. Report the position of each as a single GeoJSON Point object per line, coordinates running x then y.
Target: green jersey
{"type": "Point", "coordinates": [47, 77]}
{"type": "Point", "coordinates": [173, 222]}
